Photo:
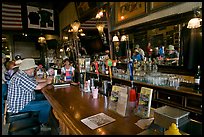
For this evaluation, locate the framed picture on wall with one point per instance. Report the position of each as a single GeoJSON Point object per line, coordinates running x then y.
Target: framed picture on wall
{"type": "Point", "coordinates": [40, 18]}
{"type": "Point", "coordinates": [125, 11]}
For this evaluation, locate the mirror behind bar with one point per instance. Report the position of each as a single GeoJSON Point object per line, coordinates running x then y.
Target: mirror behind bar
{"type": "Point", "coordinates": [171, 30]}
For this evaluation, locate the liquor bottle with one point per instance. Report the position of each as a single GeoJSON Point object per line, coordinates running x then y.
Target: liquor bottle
{"type": "Point", "coordinates": [130, 67]}
{"type": "Point", "coordinates": [197, 79]}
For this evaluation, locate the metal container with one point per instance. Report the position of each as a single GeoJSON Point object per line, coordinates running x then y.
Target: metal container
{"type": "Point", "coordinates": [166, 115]}
{"type": "Point", "coordinates": [106, 88]}
{"type": "Point", "coordinates": [92, 82]}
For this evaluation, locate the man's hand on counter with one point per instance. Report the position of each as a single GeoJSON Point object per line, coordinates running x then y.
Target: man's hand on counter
{"type": "Point", "coordinates": [49, 80]}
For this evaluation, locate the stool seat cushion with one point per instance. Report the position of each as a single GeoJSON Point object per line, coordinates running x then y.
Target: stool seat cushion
{"type": "Point", "coordinates": [10, 117]}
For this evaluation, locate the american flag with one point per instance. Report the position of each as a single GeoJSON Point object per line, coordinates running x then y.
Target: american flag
{"type": "Point", "coordinates": [11, 16]}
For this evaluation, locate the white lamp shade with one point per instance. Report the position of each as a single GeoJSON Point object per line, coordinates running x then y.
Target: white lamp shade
{"type": "Point", "coordinates": [115, 39]}
{"type": "Point", "coordinates": [194, 23]}
{"type": "Point", "coordinates": [123, 38]}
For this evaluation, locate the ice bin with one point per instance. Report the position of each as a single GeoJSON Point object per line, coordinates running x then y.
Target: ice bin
{"type": "Point", "coordinates": [166, 115]}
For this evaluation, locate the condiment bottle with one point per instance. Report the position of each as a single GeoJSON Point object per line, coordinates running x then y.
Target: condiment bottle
{"type": "Point", "coordinates": [173, 130]}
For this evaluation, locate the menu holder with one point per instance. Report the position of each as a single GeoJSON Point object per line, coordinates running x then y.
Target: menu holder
{"type": "Point", "coordinates": [144, 105]}
{"type": "Point", "coordinates": [118, 100]}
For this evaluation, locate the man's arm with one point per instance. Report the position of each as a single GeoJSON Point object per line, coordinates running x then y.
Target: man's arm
{"type": "Point", "coordinates": [43, 83]}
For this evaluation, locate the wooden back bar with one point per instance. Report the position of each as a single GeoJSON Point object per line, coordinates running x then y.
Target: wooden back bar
{"type": "Point", "coordinates": [71, 105]}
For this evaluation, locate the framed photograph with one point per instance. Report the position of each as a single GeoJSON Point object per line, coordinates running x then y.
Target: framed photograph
{"type": "Point", "coordinates": [128, 10]}
{"type": "Point", "coordinates": [40, 18]}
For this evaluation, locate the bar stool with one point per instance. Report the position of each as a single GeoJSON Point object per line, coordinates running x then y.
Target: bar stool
{"type": "Point", "coordinates": [22, 123]}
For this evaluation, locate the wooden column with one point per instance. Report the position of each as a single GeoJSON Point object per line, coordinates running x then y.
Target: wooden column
{"type": "Point", "coordinates": [109, 28]}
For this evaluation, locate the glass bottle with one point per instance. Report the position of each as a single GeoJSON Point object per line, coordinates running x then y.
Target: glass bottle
{"type": "Point", "coordinates": [197, 78]}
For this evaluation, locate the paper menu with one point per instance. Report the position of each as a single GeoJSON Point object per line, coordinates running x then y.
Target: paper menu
{"type": "Point", "coordinates": [97, 120]}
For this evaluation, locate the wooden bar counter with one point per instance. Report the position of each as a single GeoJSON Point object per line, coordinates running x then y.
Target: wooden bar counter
{"type": "Point", "coordinates": [70, 105]}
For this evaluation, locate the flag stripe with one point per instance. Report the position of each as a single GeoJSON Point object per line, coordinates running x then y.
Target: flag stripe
{"type": "Point", "coordinates": [9, 22]}
{"type": "Point", "coordinates": [13, 26]}
{"type": "Point", "coordinates": [11, 16]}
{"type": "Point", "coordinates": [11, 6]}
{"type": "Point", "coordinates": [11, 10]}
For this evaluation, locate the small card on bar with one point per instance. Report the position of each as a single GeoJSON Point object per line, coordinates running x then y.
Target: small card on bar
{"type": "Point", "coordinates": [97, 120]}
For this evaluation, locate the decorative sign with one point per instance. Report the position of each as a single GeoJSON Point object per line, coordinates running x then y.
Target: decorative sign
{"type": "Point", "coordinates": [40, 18]}
{"type": "Point", "coordinates": [128, 10]}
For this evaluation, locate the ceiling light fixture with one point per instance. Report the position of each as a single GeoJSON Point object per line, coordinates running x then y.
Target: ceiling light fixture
{"type": "Point", "coordinates": [75, 26]}
{"type": "Point", "coordinates": [41, 39]}
{"type": "Point", "coordinates": [196, 21]}
{"type": "Point", "coordinates": [100, 27]}
{"type": "Point", "coordinates": [115, 38]}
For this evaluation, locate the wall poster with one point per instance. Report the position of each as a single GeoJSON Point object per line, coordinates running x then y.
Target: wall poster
{"type": "Point", "coordinates": [128, 10]}
{"type": "Point", "coordinates": [40, 18]}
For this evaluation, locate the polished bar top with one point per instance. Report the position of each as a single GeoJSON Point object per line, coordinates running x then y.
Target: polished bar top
{"type": "Point", "coordinates": [72, 105]}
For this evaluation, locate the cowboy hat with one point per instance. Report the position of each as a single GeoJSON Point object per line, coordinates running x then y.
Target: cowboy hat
{"type": "Point", "coordinates": [171, 47]}
{"type": "Point", "coordinates": [18, 62]}
{"type": "Point", "coordinates": [27, 63]}
{"type": "Point", "coordinates": [137, 46]}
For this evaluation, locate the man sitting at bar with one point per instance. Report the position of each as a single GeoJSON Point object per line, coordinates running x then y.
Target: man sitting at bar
{"type": "Point", "coordinates": [21, 96]}
{"type": "Point", "coordinates": [172, 56]}
{"type": "Point", "coordinates": [136, 56]}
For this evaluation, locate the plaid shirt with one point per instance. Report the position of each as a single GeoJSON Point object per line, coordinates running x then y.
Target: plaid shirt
{"type": "Point", "coordinates": [20, 91]}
